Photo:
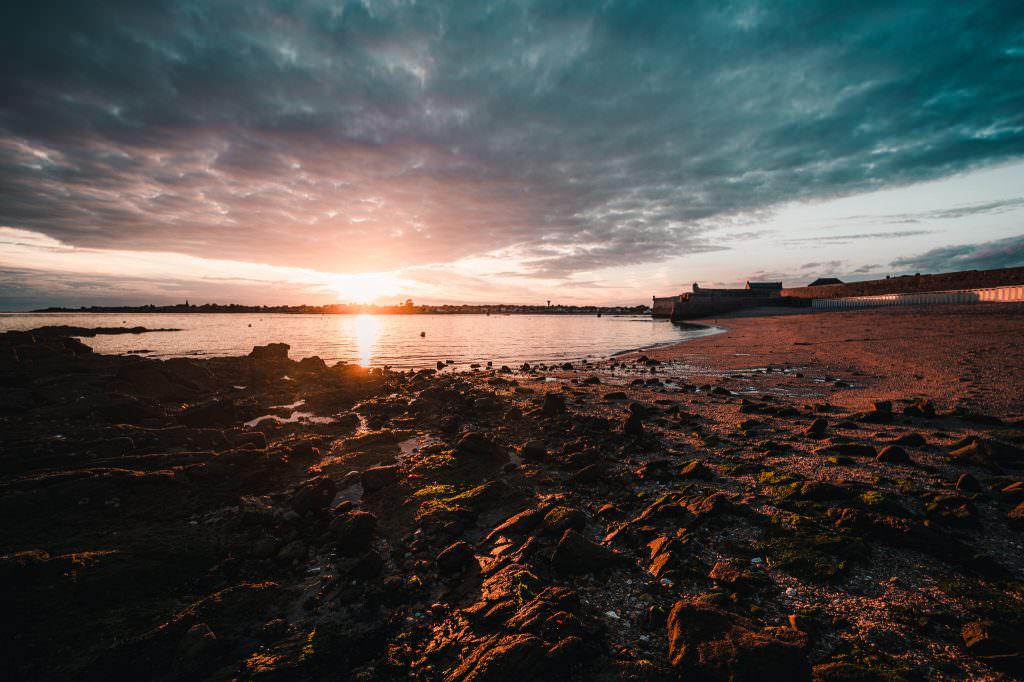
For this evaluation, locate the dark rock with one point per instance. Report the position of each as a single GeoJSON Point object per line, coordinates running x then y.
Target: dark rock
{"type": "Point", "coordinates": [920, 408]}
{"type": "Point", "coordinates": [849, 449]}
{"type": "Point", "coordinates": [707, 643]}
{"type": "Point", "coordinates": [997, 644]}
{"type": "Point", "coordinates": [353, 532]}
{"type": "Point", "coordinates": [502, 658]}
{"type": "Point", "coordinates": [560, 519]}
{"type": "Point", "coordinates": [554, 405]}
{"type": "Point", "coordinates": [273, 352]}
{"type": "Point", "coordinates": [695, 469]}
{"type": "Point", "coordinates": [455, 558]}
{"type": "Point", "coordinates": [911, 440]}
{"type": "Point", "coordinates": [478, 448]}
{"type": "Point", "coordinates": [968, 484]}
{"type": "Point", "coordinates": [616, 395]}
{"type": "Point", "coordinates": [534, 451]}
{"type": "Point", "coordinates": [197, 647]}
{"type": "Point", "coordinates": [379, 477]}
{"type": "Point", "coordinates": [817, 428]}
{"type": "Point", "coordinates": [893, 454]}
{"type": "Point", "coordinates": [314, 495]}
{"type": "Point", "coordinates": [576, 554]}
{"type": "Point", "coordinates": [1015, 517]}
{"type": "Point", "coordinates": [523, 522]}
{"type": "Point", "coordinates": [634, 425]}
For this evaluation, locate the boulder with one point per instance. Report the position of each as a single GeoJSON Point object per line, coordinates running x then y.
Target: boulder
{"type": "Point", "coordinates": [379, 477]}
{"type": "Point", "coordinates": [997, 644]}
{"type": "Point", "coordinates": [455, 558]}
{"type": "Point", "coordinates": [502, 658]}
{"type": "Point", "coordinates": [817, 428]}
{"type": "Point", "coordinates": [314, 495]}
{"type": "Point", "coordinates": [554, 405]}
{"type": "Point", "coordinates": [695, 469]}
{"type": "Point", "coordinates": [968, 484]}
{"type": "Point", "coordinates": [576, 554]}
{"type": "Point", "coordinates": [353, 532]}
{"type": "Point", "coordinates": [709, 644]}
{"type": "Point", "coordinates": [560, 519]}
{"type": "Point", "coordinates": [893, 454]}
{"type": "Point", "coordinates": [273, 352]}
{"type": "Point", "coordinates": [633, 425]}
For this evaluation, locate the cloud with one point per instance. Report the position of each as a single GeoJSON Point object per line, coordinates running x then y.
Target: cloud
{"type": "Point", "coordinates": [962, 211]}
{"type": "Point", "coordinates": [377, 135]}
{"type": "Point", "coordinates": [1000, 253]}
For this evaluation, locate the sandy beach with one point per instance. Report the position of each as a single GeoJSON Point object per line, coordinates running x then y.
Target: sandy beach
{"type": "Point", "coordinates": [819, 496]}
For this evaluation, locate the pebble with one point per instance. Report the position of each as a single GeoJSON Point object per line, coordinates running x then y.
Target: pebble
{"type": "Point", "coordinates": [612, 615]}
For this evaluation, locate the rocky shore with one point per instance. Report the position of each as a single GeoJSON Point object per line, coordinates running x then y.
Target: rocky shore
{"type": "Point", "coordinates": [652, 517]}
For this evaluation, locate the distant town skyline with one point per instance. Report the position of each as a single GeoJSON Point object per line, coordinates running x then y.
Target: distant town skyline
{"type": "Point", "coordinates": [321, 152]}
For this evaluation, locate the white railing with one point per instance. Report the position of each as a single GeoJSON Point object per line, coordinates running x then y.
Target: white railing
{"type": "Point", "coordinates": [990, 295]}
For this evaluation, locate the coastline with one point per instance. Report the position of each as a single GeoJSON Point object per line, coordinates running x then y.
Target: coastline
{"type": "Point", "coordinates": [840, 489]}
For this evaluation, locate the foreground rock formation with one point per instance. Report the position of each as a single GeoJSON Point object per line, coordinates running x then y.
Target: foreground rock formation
{"type": "Point", "coordinates": [266, 518]}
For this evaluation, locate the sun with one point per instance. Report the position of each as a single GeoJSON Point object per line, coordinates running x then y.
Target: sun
{"type": "Point", "coordinates": [367, 287]}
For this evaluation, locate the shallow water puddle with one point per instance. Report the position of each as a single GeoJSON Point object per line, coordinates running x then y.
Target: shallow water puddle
{"type": "Point", "coordinates": [295, 417]}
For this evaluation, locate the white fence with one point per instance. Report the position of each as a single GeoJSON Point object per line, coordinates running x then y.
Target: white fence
{"type": "Point", "coordinates": [993, 295]}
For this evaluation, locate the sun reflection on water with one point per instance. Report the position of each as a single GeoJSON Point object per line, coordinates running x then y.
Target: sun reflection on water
{"type": "Point", "coordinates": [367, 331]}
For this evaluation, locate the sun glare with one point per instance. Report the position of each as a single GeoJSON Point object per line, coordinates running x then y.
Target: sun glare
{"type": "Point", "coordinates": [367, 331]}
{"type": "Point", "coordinates": [364, 288]}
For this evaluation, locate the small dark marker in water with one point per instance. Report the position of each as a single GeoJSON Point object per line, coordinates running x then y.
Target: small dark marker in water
{"type": "Point", "coordinates": [423, 334]}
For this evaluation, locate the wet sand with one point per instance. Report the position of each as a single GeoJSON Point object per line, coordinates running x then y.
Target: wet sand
{"type": "Point", "coordinates": [971, 355]}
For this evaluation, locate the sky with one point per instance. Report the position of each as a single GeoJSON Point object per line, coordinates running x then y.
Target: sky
{"type": "Point", "coordinates": [266, 151]}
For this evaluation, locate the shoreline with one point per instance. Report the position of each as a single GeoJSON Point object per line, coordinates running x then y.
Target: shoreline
{"type": "Point", "coordinates": [790, 485]}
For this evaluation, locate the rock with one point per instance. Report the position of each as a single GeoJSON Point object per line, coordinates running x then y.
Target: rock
{"type": "Point", "coordinates": [616, 395]}
{"type": "Point", "coordinates": [968, 484]}
{"type": "Point", "coordinates": [560, 519]}
{"type": "Point", "coordinates": [911, 440]}
{"type": "Point", "coordinates": [476, 447]}
{"type": "Point", "coordinates": [508, 658]}
{"type": "Point", "coordinates": [576, 554]}
{"type": "Point", "coordinates": [633, 425]}
{"type": "Point", "coordinates": [353, 532]}
{"type": "Point", "coordinates": [849, 449]}
{"type": "Point", "coordinates": [314, 495]}
{"type": "Point", "coordinates": [817, 428]}
{"type": "Point", "coordinates": [379, 477]}
{"type": "Point", "coordinates": [273, 352]}
{"type": "Point", "coordinates": [707, 643]}
{"type": "Point", "coordinates": [1015, 517]}
{"type": "Point", "coordinates": [554, 405]}
{"type": "Point", "coordinates": [534, 451]}
{"type": "Point", "coordinates": [520, 523]}
{"type": "Point", "coordinates": [997, 644]}
{"type": "Point", "coordinates": [197, 646]}
{"type": "Point", "coordinates": [920, 408]}
{"type": "Point", "coordinates": [455, 558]}
{"type": "Point", "coordinates": [893, 454]}
{"type": "Point", "coordinates": [695, 469]}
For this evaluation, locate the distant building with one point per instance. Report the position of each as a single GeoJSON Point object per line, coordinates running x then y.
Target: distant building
{"type": "Point", "coordinates": [764, 286]}
{"type": "Point", "coordinates": [822, 281]}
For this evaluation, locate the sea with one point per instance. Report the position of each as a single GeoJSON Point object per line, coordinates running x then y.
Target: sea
{"type": "Point", "coordinates": [399, 341]}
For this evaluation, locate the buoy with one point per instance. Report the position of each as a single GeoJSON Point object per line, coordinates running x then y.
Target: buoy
{"type": "Point", "coordinates": [423, 334]}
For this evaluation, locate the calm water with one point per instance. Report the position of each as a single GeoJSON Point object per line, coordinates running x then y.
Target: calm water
{"type": "Point", "coordinates": [375, 339]}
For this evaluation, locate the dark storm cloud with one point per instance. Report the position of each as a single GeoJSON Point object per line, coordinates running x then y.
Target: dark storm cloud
{"type": "Point", "coordinates": [380, 134]}
{"type": "Point", "coordinates": [1000, 253]}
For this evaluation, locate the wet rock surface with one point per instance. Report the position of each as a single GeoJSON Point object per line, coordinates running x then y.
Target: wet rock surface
{"type": "Point", "coordinates": [261, 517]}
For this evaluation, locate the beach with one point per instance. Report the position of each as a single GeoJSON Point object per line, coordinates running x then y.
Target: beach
{"type": "Point", "coordinates": [829, 496]}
